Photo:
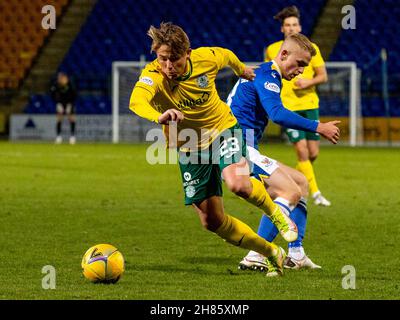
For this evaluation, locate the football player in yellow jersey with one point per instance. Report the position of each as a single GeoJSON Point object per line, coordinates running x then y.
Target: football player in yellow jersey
{"type": "Point", "coordinates": [179, 86]}
{"type": "Point", "coordinates": [299, 95]}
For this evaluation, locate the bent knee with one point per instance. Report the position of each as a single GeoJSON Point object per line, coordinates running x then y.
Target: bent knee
{"type": "Point", "coordinates": [210, 222]}
{"type": "Point", "coordinates": [208, 225]}
{"type": "Point", "coordinates": [241, 189]}
{"type": "Point", "coordinates": [303, 186]}
{"type": "Point", "coordinates": [295, 196]}
{"type": "Point", "coordinates": [313, 155]}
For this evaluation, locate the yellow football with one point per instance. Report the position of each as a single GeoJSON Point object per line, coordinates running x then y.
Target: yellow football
{"type": "Point", "coordinates": [103, 263]}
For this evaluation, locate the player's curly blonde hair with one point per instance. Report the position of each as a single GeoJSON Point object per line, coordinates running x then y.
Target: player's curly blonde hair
{"type": "Point", "coordinates": [303, 42]}
{"type": "Point", "coordinates": [170, 35]}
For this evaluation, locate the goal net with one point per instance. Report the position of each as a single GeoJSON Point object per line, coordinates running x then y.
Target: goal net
{"type": "Point", "coordinates": [126, 126]}
{"type": "Point", "coordinates": [339, 99]}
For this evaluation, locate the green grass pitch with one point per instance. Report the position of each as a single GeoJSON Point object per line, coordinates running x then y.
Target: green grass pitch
{"type": "Point", "coordinates": [57, 201]}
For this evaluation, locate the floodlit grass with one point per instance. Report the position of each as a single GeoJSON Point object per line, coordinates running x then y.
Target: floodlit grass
{"type": "Point", "coordinates": [57, 201]}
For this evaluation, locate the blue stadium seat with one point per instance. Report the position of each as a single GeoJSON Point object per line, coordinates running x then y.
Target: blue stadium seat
{"type": "Point", "coordinates": [363, 45]}
{"type": "Point", "coordinates": [86, 104]}
{"type": "Point", "coordinates": [117, 31]}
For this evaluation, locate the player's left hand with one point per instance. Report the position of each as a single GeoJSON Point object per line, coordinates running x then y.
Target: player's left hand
{"type": "Point", "coordinates": [329, 130]}
{"type": "Point", "coordinates": [248, 73]}
{"type": "Point", "coordinates": [303, 83]}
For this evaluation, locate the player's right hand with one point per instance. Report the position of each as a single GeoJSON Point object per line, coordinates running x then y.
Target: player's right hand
{"type": "Point", "coordinates": [248, 73]}
{"type": "Point", "coordinates": [170, 115]}
{"type": "Point", "coordinates": [329, 130]}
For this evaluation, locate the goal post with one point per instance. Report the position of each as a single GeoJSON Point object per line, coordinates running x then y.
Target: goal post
{"type": "Point", "coordinates": [339, 96]}
{"type": "Point", "coordinates": [124, 74]}
{"type": "Point", "coordinates": [346, 77]}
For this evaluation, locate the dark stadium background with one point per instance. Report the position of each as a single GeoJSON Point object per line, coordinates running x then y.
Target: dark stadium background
{"type": "Point", "coordinates": [91, 34]}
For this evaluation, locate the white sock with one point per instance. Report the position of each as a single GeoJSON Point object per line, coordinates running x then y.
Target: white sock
{"type": "Point", "coordinates": [284, 205]}
{"type": "Point", "coordinates": [316, 194]}
{"type": "Point", "coordinates": [297, 253]}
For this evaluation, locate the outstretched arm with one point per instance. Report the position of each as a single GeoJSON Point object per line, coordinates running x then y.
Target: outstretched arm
{"type": "Point", "coordinates": [248, 73]}
{"type": "Point", "coordinates": [268, 86]}
{"type": "Point", "coordinates": [284, 117]}
{"type": "Point", "coordinates": [225, 57]}
{"type": "Point", "coordinates": [140, 104]}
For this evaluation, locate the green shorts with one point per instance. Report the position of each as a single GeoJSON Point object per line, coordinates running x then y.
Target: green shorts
{"type": "Point", "coordinates": [297, 135]}
{"type": "Point", "coordinates": [201, 170]}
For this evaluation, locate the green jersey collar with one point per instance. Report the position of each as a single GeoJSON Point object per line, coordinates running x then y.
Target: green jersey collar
{"type": "Point", "coordinates": [188, 74]}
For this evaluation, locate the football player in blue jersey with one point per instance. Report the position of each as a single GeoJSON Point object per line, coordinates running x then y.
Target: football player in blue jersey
{"type": "Point", "coordinates": [255, 102]}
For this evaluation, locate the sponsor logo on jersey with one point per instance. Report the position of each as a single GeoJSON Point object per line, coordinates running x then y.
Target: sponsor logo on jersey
{"type": "Point", "coordinates": [272, 87]}
{"type": "Point", "coordinates": [202, 81]}
{"type": "Point", "coordinates": [294, 133]}
{"type": "Point", "coordinates": [191, 183]}
{"type": "Point", "coordinates": [267, 162]}
{"type": "Point", "coordinates": [191, 103]}
{"type": "Point", "coordinates": [146, 80]}
{"type": "Point", "coordinates": [187, 176]}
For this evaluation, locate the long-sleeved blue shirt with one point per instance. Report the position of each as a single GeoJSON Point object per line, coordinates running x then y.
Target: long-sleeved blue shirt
{"type": "Point", "coordinates": [254, 102]}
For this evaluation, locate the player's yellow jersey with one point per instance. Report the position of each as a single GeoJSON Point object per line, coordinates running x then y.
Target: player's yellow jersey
{"type": "Point", "coordinates": [194, 94]}
{"type": "Point", "coordinates": [298, 99]}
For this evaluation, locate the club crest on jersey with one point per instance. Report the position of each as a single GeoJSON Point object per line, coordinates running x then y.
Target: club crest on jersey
{"type": "Point", "coordinates": [190, 191]}
{"type": "Point", "coordinates": [267, 162]}
{"type": "Point", "coordinates": [202, 81]}
{"type": "Point", "coordinates": [272, 87]}
{"type": "Point", "coordinates": [146, 80]}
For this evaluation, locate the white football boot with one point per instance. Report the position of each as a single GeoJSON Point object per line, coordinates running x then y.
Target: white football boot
{"type": "Point", "coordinates": [320, 200]}
{"type": "Point", "coordinates": [297, 259]}
{"type": "Point", "coordinates": [58, 140]}
{"type": "Point", "coordinates": [72, 140]}
{"type": "Point", "coordinates": [253, 261]}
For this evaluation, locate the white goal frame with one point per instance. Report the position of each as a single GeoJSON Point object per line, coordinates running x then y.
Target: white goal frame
{"type": "Point", "coordinates": [355, 134]}
{"type": "Point", "coordinates": [115, 89]}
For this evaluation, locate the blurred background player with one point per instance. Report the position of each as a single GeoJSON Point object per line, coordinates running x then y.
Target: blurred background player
{"type": "Point", "coordinates": [299, 95]}
{"type": "Point", "coordinates": [255, 102]}
{"type": "Point", "coordinates": [63, 94]}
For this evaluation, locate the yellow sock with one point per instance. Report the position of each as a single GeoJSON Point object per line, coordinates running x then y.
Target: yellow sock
{"type": "Point", "coordinates": [260, 197]}
{"type": "Point", "coordinates": [306, 168]}
{"type": "Point", "coordinates": [241, 235]}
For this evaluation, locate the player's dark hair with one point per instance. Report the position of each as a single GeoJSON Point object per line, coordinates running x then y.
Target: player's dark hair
{"type": "Point", "coordinates": [170, 35]}
{"type": "Point", "coordinates": [287, 12]}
